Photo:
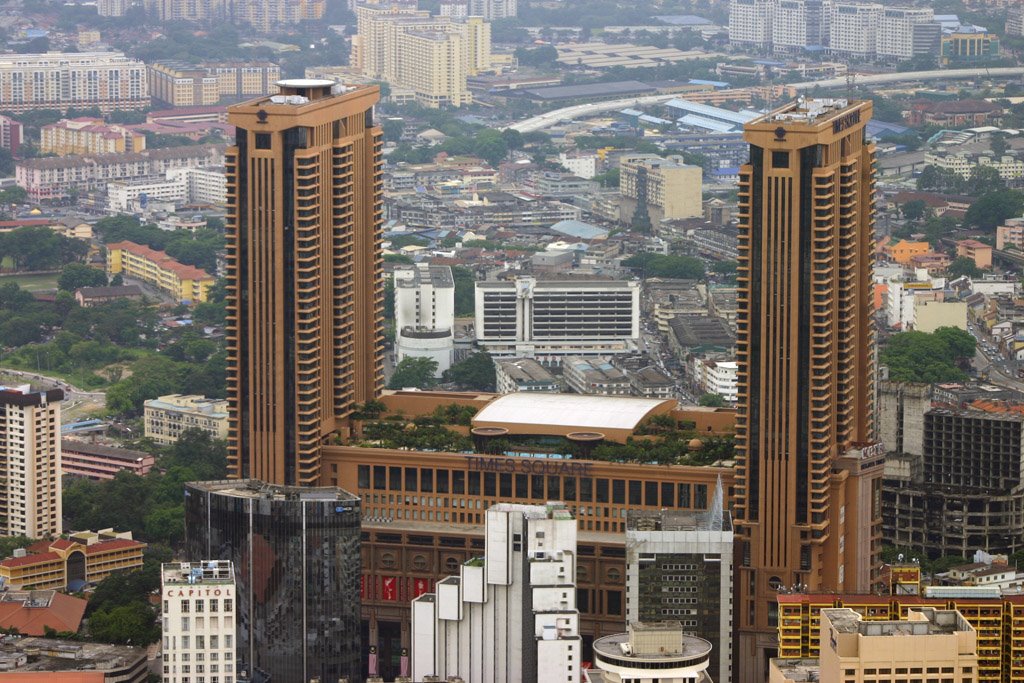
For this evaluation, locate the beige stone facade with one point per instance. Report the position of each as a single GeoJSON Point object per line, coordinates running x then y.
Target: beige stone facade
{"type": "Point", "coordinates": [168, 416]}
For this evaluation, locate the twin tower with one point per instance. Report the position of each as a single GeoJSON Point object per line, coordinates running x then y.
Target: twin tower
{"type": "Point", "coordinates": [305, 345]}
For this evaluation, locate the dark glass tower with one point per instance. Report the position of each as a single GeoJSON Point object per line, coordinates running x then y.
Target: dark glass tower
{"type": "Point", "coordinates": [297, 564]}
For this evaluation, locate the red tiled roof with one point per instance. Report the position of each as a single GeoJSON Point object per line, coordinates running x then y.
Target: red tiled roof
{"type": "Point", "coordinates": [63, 614]}
{"type": "Point", "coordinates": [32, 558]}
{"type": "Point", "coordinates": [61, 544]}
{"type": "Point", "coordinates": [26, 222]}
{"type": "Point", "coordinates": [39, 547]}
{"type": "Point", "coordinates": [115, 544]}
{"type": "Point", "coordinates": [163, 260]}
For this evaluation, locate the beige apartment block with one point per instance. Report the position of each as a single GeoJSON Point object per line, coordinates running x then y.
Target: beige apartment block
{"type": "Point", "coordinates": [166, 417]}
{"type": "Point", "coordinates": [669, 189]}
{"type": "Point", "coordinates": [930, 644]}
{"type": "Point", "coordinates": [198, 85]}
{"type": "Point", "coordinates": [30, 473]}
{"type": "Point", "coordinates": [429, 55]}
{"type": "Point", "coordinates": [59, 80]}
{"type": "Point", "coordinates": [88, 136]}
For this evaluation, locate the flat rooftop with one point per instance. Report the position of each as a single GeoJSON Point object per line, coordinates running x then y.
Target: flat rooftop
{"type": "Point", "coordinates": [62, 655]}
{"type": "Point", "coordinates": [799, 670]}
{"type": "Point", "coordinates": [920, 622]}
{"type": "Point", "coordinates": [258, 490]}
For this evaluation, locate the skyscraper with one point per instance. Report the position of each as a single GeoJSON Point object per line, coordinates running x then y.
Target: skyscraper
{"type": "Point", "coordinates": [30, 475]}
{"type": "Point", "coordinates": [305, 290]}
{"type": "Point", "coordinates": [295, 556]}
{"type": "Point", "coordinates": [808, 473]}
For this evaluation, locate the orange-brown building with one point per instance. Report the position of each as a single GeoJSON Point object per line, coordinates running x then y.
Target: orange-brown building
{"type": "Point", "coordinates": [979, 252]}
{"type": "Point", "coordinates": [808, 474]}
{"type": "Point", "coordinates": [901, 252]}
{"type": "Point", "coordinates": [305, 283]}
{"type": "Point", "coordinates": [84, 557]}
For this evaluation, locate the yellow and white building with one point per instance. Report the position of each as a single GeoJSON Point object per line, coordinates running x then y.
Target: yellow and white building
{"type": "Point", "coordinates": [168, 416]}
{"type": "Point", "coordinates": [190, 85]}
{"type": "Point", "coordinates": [184, 283]}
{"type": "Point", "coordinates": [88, 136]}
{"type": "Point", "coordinates": [59, 80]}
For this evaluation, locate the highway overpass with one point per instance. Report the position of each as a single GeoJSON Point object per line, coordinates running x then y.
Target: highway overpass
{"type": "Point", "coordinates": [579, 111]}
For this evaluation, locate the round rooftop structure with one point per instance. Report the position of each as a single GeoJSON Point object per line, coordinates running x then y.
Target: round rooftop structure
{"type": "Point", "coordinates": [695, 444]}
{"type": "Point", "coordinates": [584, 436]}
{"type": "Point", "coordinates": [655, 652]}
{"type": "Point", "coordinates": [305, 83]}
{"type": "Point", "coordinates": [488, 431]}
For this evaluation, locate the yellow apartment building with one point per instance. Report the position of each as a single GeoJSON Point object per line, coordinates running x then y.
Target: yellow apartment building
{"type": "Point", "coordinates": [184, 283]}
{"type": "Point", "coordinates": [166, 417]}
{"type": "Point", "coordinates": [86, 556]}
{"type": "Point", "coordinates": [88, 136]}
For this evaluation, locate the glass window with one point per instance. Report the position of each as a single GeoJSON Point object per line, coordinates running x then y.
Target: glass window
{"type": "Point", "coordinates": [569, 488]}
{"type": "Point", "coordinates": [426, 480]}
{"type": "Point", "coordinates": [613, 602]}
{"type": "Point", "coordinates": [700, 496]}
{"type": "Point", "coordinates": [395, 478]}
{"type": "Point", "coordinates": [619, 491]}
{"type": "Point", "coordinates": [490, 484]}
{"type": "Point", "coordinates": [684, 495]}
{"type": "Point", "coordinates": [442, 481]}
{"type": "Point", "coordinates": [522, 486]}
{"type": "Point", "coordinates": [379, 478]}
{"type": "Point", "coordinates": [602, 490]}
{"type": "Point", "coordinates": [505, 485]}
{"type": "Point", "coordinates": [651, 493]}
{"type": "Point", "coordinates": [667, 494]}
{"type": "Point", "coordinates": [587, 490]}
{"type": "Point", "coordinates": [474, 483]}
{"type": "Point", "coordinates": [364, 476]}
{"type": "Point", "coordinates": [262, 140]}
{"type": "Point", "coordinates": [411, 480]}
{"type": "Point", "coordinates": [554, 487]}
{"type": "Point", "coordinates": [634, 493]}
{"type": "Point", "coordinates": [459, 482]}
{"type": "Point", "coordinates": [537, 486]}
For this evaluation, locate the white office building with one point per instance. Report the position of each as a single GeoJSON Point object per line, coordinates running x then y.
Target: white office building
{"type": "Point", "coordinates": [853, 29]}
{"type": "Point", "coordinates": [800, 24]}
{"type": "Point", "coordinates": [510, 616]}
{"type": "Point", "coordinates": [750, 22]}
{"type": "Point", "coordinates": [198, 615]}
{"type": "Point", "coordinates": [548, 320]}
{"type": "Point", "coordinates": [679, 566]}
{"type": "Point", "coordinates": [425, 314]}
{"type": "Point", "coordinates": [493, 9]}
{"type": "Point", "coordinates": [896, 29]}
{"type": "Point", "coordinates": [716, 377]}
{"type": "Point", "coordinates": [180, 186]}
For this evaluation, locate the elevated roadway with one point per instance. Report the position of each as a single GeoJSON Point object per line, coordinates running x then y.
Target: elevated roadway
{"type": "Point", "coordinates": [579, 111]}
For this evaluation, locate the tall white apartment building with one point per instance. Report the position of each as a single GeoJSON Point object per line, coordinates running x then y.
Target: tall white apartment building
{"type": "Point", "coordinates": [799, 24]}
{"type": "Point", "coordinates": [548, 320]}
{"type": "Point", "coordinates": [493, 9]}
{"type": "Point", "coordinates": [679, 566]}
{"type": "Point", "coordinates": [198, 621]}
{"type": "Point", "coordinates": [59, 80]}
{"type": "Point", "coordinates": [510, 616]}
{"type": "Point", "coordinates": [30, 471]}
{"type": "Point", "coordinates": [853, 30]}
{"type": "Point", "coordinates": [750, 22]}
{"type": "Point", "coordinates": [896, 29]}
{"type": "Point", "coordinates": [425, 314]}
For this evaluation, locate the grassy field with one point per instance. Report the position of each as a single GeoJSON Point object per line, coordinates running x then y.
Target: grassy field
{"type": "Point", "coordinates": [32, 283]}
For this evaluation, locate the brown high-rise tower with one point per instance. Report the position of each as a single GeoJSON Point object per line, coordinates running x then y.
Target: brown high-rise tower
{"type": "Point", "coordinates": [808, 474]}
{"type": "Point", "coordinates": [304, 298]}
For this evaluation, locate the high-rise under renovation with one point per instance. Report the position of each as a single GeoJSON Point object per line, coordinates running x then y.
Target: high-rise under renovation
{"type": "Point", "coordinates": [808, 478]}
{"type": "Point", "coordinates": [304, 274]}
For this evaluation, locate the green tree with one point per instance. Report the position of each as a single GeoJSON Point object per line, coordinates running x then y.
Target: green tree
{"type": "Point", "coordinates": [711, 400]}
{"type": "Point", "coordinates": [963, 265]}
{"type": "Point", "coordinates": [393, 128]}
{"type": "Point", "coordinates": [661, 265]}
{"type": "Point", "coordinates": [134, 623]}
{"type": "Point", "coordinates": [998, 145]}
{"type": "Point", "coordinates": [914, 210]}
{"type": "Point", "coordinates": [475, 372]}
{"type": "Point", "coordinates": [465, 291]}
{"type": "Point", "coordinates": [546, 55]}
{"type": "Point", "coordinates": [490, 146]}
{"type": "Point", "coordinates": [415, 372]}
{"type": "Point", "coordinates": [75, 275]}
{"type": "Point", "coordinates": [922, 357]}
{"type": "Point", "coordinates": [151, 377]}
{"type": "Point", "coordinates": [13, 195]}
{"type": "Point", "coordinates": [994, 208]}
{"type": "Point", "coordinates": [984, 179]}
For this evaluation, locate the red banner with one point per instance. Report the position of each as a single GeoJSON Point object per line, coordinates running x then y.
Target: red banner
{"type": "Point", "coordinates": [389, 588]}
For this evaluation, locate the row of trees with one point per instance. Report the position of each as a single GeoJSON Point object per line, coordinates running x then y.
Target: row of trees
{"type": "Point", "coordinates": [665, 265]}
{"type": "Point", "coordinates": [476, 373]}
{"type": "Point", "coordinates": [38, 248]}
{"type": "Point", "coordinates": [489, 144]}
